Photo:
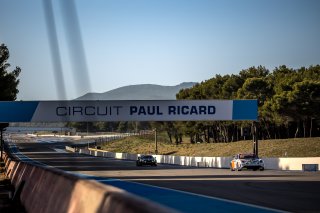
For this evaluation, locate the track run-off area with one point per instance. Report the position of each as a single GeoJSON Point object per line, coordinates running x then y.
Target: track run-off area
{"type": "Point", "coordinates": [186, 189]}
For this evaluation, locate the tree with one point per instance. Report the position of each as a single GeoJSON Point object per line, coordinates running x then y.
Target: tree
{"type": "Point", "coordinates": [231, 86]}
{"type": "Point", "coordinates": [254, 72]}
{"type": "Point", "coordinates": [283, 78]}
{"type": "Point", "coordinates": [255, 88]}
{"type": "Point", "coordinates": [123, 126]}
{"type": "Point", "coordinates": [8, 80]}
{"type": "Point", "coordinates": [289, 102]}
{"type": "Point", "coordinates": [305, 99]}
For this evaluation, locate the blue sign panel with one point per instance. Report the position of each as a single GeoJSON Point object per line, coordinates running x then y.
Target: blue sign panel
{"type": "Point", "coordinates": [245, 110]}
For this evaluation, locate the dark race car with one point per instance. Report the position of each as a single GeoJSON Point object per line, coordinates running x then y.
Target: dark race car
{"type": "Point", "coordinates": [146, 160]}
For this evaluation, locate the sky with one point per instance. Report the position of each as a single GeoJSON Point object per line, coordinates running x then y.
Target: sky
{"type": "Point", "coordinates": [164, 42]}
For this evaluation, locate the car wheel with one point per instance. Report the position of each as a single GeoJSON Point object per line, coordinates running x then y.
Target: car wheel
{"type": "Point", "coordinates": [261, 168]}
{"type": "Point", "coordinates": [239, 167]}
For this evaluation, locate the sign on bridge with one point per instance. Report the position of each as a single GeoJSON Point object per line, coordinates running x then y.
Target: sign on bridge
{"type": "Point", "coordinates": [170, 110]}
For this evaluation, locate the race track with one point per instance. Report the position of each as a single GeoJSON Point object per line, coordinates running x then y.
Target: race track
{"type": "Point", "coordinates": [281, 190]}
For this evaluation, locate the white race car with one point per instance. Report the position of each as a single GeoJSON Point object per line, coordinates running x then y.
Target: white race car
{"type": "Point", "coordinates": [248, 161]}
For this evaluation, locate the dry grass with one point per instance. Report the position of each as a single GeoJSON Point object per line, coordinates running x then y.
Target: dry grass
{"type": "Point", "coordinates": [302, 147]}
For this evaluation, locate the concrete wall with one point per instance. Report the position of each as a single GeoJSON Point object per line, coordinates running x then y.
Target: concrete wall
{"type": "Point", "coordinates": [216, 162]}
{"type": "Point", "coordinates": [290, 163]}
{"type": "Point", "coordinates": [49, 190]}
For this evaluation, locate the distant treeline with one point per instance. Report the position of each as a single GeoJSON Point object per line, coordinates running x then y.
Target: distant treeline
{"type": "Point", "coordinates": [288, 100]}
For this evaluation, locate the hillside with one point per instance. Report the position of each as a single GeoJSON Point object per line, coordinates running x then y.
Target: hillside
{"type": "Point", "coordinates": [299, 147]}
{"type": "Point", "coordinates": [139, 92]}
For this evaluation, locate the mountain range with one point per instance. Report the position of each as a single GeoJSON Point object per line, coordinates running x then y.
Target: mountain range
{"type": "Point", "coordinates": [139, 92]}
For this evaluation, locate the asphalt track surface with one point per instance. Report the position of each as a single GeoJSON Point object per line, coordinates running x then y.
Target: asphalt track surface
{"type": "Point", "coordinates": [280, 190]}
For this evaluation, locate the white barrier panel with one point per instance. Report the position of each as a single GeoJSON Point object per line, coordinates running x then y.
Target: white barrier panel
{"type": "Point", "coordinates": [215, 162]}
{"type": "Point", "coordinates": [290, 163]}
{"type": "Point", "coordinates": [70, 149]}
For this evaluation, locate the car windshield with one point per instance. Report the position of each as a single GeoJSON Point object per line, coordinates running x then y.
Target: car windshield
{"type": "Point", "coordinates": [247, 156]}
{"type": "Point", "coordinates": [147, 157]}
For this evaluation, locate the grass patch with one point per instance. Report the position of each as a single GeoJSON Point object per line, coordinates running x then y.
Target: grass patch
{"type": "Point", "coordinates": [299, 147]}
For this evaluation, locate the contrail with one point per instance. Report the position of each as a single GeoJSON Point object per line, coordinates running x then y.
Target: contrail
{"type": "Point", "coordinates": [76, 50]}
{"type": "Point", "coordinates": [54, 47]}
